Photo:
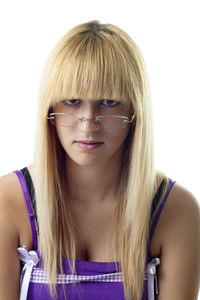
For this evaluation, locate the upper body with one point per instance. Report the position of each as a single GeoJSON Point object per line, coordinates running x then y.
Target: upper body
{"type": "Point", "coordinates": [175, 240]}
{"type": "Point", "coordinates": [93, 171]}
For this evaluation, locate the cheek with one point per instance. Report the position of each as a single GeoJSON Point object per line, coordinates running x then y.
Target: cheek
{"type": "Point", "coordinates": [63, 136]}
{"type": "Point", "coordinates": [118, 137]}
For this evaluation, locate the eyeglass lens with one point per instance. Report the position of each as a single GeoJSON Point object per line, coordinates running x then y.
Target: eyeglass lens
{"type": "Point", "coordinates": [67, 120]}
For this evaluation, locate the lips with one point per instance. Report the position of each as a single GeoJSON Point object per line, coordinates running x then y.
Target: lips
{"type": "Point", "coordinates": [89, 142]}
{"type": "Point", "coordinates": [89, 145]}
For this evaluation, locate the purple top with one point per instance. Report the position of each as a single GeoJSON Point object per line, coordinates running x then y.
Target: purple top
{"type": "Point", "coordinates": [94, 280]}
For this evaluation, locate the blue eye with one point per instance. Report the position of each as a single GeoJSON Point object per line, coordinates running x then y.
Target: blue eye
{"type": "Point", "coordinates": [72, 101]}
{"type": "Point", "coordinates": [108, 102]}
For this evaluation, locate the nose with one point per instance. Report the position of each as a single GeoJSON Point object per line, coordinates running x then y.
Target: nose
{"type": "Point", "coordinates": [88, 109]}
{"type": "Point", "coordinates": [88, 113]}
{"type": "Point", "coordinates": [88, 125]}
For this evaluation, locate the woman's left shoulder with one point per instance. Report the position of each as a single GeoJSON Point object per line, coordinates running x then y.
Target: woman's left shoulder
{"type": "Point", "coordinates": [182, 201]}
{"type": "Point", "coordinates": [181, 215]}
{"type": "Point", "coordinates": [179, 270]}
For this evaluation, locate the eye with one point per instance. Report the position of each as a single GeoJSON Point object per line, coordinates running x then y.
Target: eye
{"type": "Point", "coordinates": [72, 102]}
{"type": "Point", "coordinates": [110, 103]}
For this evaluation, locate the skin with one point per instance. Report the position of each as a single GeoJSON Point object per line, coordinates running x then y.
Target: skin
{"type": "Point", "coordinates": [176, 239]}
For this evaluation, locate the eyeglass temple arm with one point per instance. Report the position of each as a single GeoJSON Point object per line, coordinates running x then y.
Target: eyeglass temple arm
{"type": "Point", "coordinates": [132, 118]}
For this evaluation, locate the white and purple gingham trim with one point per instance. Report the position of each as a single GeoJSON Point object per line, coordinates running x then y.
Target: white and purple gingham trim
{"type": "Point", "coordinates": [39, 276]}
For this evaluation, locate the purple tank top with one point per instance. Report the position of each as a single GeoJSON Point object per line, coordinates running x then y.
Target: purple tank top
{"type": "Point", "coordinates": [94, 280]}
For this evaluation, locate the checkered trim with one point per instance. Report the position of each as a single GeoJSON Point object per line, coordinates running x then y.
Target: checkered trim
{"type": "Point", "coordinates": [39, 276]}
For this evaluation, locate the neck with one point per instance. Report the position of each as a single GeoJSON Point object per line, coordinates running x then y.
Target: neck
{"type": "Point", "coordinates": [92, 184]}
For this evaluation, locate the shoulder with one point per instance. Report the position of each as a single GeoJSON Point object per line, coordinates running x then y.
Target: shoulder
{"type": "Point", "coordinates": [9, 191]}
{"type": "Point", "coordinates": [183, 196]}
{"type": "Point", "coordinates": [179, 236]}
{"type": "Point", "coordinates": [13, 212]}
{"type": "Point", "coordinates": [10, 188]}
{"type": "Point", "coordinates": [181, 209]}
{"type": "Point", "coordinates": [10, 201]}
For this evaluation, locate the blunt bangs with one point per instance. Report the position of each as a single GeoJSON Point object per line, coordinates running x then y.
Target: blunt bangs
{"type": "Point", "coordinates": [91, 66]}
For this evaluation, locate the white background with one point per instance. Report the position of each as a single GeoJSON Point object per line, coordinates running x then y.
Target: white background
{"type": "Point", "coordinates": [168, 34]}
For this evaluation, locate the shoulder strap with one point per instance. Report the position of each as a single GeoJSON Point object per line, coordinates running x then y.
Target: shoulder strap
{"type": "Point", "coordinates": [155, 204]}
{"type": "Point", "coordinates": [156, 198]}
{"type": "Point", "coordinates": [28, 191]}
{"type": "Point", "coordinates": [31, 190]}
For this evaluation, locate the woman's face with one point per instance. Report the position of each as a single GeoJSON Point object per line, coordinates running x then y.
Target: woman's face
{"type": "Point", "coordinates": [88, 142]}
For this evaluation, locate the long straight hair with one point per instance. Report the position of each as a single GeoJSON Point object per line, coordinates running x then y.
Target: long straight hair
{"type": "Point", "coordinates": [96, 61]}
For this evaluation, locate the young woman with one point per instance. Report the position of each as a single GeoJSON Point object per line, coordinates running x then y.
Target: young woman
{"type": "Point", "coordinates": [92, 218]}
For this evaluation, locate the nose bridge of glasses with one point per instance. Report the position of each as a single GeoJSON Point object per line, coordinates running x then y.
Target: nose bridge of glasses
{"type": "Point", "coordinates": [87, 116]}
{"type": "Point", "coordinates": [89, 110]}
{"type": "Point", "coordinates": [87, 124]}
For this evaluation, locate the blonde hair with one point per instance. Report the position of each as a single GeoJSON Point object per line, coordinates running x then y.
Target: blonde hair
{"type": "Point", "coordinates": [96, 61]}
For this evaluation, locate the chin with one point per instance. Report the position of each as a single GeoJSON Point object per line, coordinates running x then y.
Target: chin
{"type": "Point", "coordinates": [86, 160]}
{"type": "Point", "coordinates": [87, 163]}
